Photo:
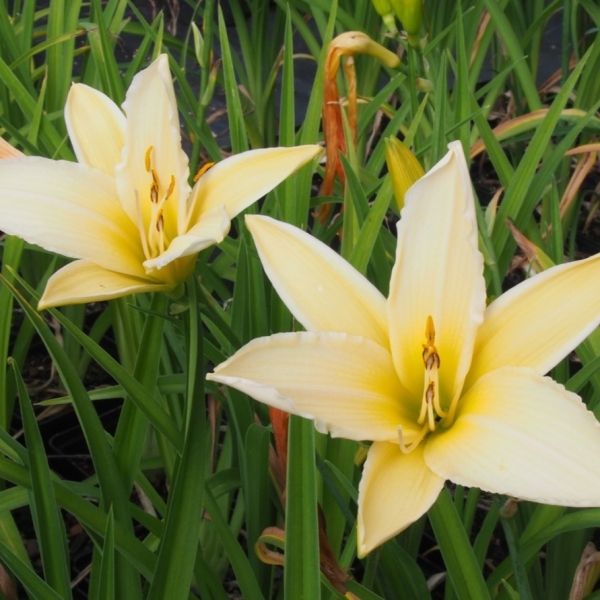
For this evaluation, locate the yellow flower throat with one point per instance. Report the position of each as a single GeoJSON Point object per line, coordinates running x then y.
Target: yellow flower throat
{"type": "Point", "coordinates": [431, 410]}
{"type": "Point", "coordinates": [154, 238]}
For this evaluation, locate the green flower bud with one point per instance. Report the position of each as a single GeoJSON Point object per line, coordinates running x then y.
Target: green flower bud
{"type": "Point", "coordinates": [403, 166]}
{"type": "Point", "coordinates": [383, 7]}
{"type": "Point", "coordinates": [410, 13]}
{"type": "Point", "coordinates": [424, 85]}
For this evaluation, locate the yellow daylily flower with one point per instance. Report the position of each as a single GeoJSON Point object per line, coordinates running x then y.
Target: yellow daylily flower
{"type": "Point", "coordinates": [445, 387]}
{"type": "Point", "coordinates": [125, 209]}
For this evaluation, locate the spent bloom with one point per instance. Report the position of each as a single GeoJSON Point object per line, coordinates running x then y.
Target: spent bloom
{"type": "Point", "coordinates": [444, 387]}
{"type": "Point", "coordinates": [125, 210]}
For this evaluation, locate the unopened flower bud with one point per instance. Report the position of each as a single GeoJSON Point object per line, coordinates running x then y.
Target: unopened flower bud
{"type": "Point", "coordinates": [385, 11]}
{"type": "Point", "coordinates": [410, 13]}
{"type": "Point", "coordinates": [382, 7]}
{"type": "Point", "coordinates": [424, 85]}
{"type": "Point", "coordinates": [403, 166]}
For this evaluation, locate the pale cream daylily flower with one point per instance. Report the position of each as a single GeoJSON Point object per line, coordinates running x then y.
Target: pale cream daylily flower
{"type": "Point", "coordinates": [444, 387]}
{"type": "Point", "coordinates": [7, 151]}
{"type": "Point", "coordinates": [125, 210]}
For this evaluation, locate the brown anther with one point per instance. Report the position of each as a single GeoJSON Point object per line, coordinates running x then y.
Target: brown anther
{"type": "Point", "coordinates": [147, 158]}
{"type": "Point", "coordinates": [431, 358]}
{"type": "Point", "coordinates": [430, 392]}
{"type": "Point", "coordinates": [154, 193]}
{"type": "Point", "coordinates": [160, 222]}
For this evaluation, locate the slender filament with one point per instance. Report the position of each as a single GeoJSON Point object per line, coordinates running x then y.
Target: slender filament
{"type": "Point", "coordinates": [154, 238]}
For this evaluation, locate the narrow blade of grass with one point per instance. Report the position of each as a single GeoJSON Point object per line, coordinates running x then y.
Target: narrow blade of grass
{"type": "Point", "coordinates": [106, 573]}
{"type": "Point", "coordinates": [463, 571]}
{"type": "Point", "coordinates": [36, 587]}
{"type": "Point", "coordinates": [237, 127]}
{"type": "Point", "coordinates": [50, 528]}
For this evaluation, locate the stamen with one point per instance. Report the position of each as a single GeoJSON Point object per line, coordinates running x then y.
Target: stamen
{"type": "Point", "coordinates": [430, 404]}
{"type": "Point", "coordinates": [171, 188]}
{"type": "Point", "coordinates": [408, 449]}
{"type": "Point", "coordinates": [203, 170]}
{"type": "Point", "coordinates": [152, 225]}
{"type": "Point", "coordinates": [429, 332]}
{"type": "Point", "coordinates": [451, 411]}
{"type": "Point", "coordinates": [429, 397]}
{"type": "Point", "coordinates": [155, 177]}
{"type": "Point", "coordinates": [154, 193]}
{"type": "Point", "coordinates": [140, 224]}
{"type": "Point", "coordinates": [438, 408]}
{"type": "Point", "coordinates": [159, 227]}
{"type": "Point", "coordinates": [423, 413]}
{"type": "Point", "coordinates": [147, 158]}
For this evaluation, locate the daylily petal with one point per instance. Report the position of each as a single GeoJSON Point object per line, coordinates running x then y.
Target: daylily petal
{"type": "Point", "coordinates": [240, 180]}
{"type": "Point", "coordinates": [394, 491]}
{"type": "Point", "coordinates": [321, 289]}
{"type": "Point", "coordinates": [538, 322]}
{"type": "Point", "coordinates": [153, 122]}
{"type": "Point", "coordinates": [96, 127]}
{"type": "Point", "coordinates": [346, 383]}
{"type": "Point", "coordinates": [438, 273]}
{"type": "Point", "coordinates": [8, 151]}
{"type": "Point", "coordinates": [83, 281]}
{"type": "Point", "coordinates": [212, 229]}
{"type": "Point", "coordinates": [68, 208]}
{"type": "Point", "coordinates": [524, 435]}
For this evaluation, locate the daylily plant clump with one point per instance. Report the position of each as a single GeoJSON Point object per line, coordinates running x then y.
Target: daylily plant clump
{"type": "Point", "coordinates": [444, 387]}
{"type": "Point", "coordinates": [126, 210]}
{"type": "Point", "coordinates": [448, 398]}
